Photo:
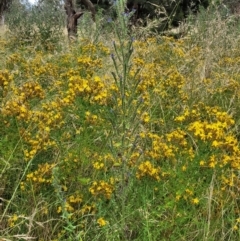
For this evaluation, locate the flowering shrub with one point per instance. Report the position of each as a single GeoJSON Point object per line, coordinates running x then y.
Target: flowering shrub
{"type": "Point", "coordinates": [124, 142]}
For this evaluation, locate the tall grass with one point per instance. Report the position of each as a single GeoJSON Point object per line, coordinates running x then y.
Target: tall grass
{"type": "Point", "coordinates": [129, 139]}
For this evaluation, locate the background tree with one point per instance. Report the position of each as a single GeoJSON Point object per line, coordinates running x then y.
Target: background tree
{"type": "Point", "coordinates": [40, 25]}
{"type": "Point", "coordinates": [4, 5]}
{"type": "Point", "coordinates": [73, 15]}
{"type": "Point", "coordinates": [234, 6]}
{"type": "Point", "coordinates": [89, 4]}
{"type": "Point", "coordinates": [72, 18]}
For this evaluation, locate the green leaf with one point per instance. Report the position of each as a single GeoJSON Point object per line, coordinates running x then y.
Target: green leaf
{"type": "Point", "coordinates": [84, 180]}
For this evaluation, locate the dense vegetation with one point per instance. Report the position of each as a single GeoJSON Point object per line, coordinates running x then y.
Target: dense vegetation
{"type": "Point", "coordinates": [119, 135]}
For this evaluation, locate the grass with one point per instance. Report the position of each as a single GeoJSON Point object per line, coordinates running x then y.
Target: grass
{"type": "Point", "coordinates": [126, 139]}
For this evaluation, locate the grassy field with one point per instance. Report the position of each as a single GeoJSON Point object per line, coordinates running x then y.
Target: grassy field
{"type": "Point", "coordinates": [121, 137]}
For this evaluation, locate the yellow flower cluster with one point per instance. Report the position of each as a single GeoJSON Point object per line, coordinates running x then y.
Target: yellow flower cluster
{"type": "Point", "coordinates": [159, 148]}
{"type": "Point", "coordinates": [98, 165]}
{"type": "Point", "coordinates": [178, 137]}
{"type": "Point", "coordinates": [100, 91]}
{"type": "Point", "coordinates": [12, 220]}
{"type": "Point", "coordinates": [93, 88]}
{"type": "Point", "coordinates": [101, 188]}
{"type": "Point", "coordinates": [5, 79]}
{"type": "Point", "coordinates": [87, 61]}
{"type": "Point", "coordinates": [72, 203]}
{"type": "Point", "coordinates": [42, 175]}
{"type": "Point", "coordinates": [71, 113]}
{"type": "Point", "coordinates": [91, 118]}
{"type": "Point", "coordinates": [146, 169]}
{"type": "Point", "coordinates": [207, 131]}
{"type": "Point", "coordinates": [96, 48]}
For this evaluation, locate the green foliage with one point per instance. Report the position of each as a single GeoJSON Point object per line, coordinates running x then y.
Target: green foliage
{"type": "Point", "coordinates": [167, 13]}
{"type": "Point", "coordinates": [122, 138]}
{"type": "Point", "coordinates": [4, 5]}
{"type": "Point", "coordinates": [41, 26]}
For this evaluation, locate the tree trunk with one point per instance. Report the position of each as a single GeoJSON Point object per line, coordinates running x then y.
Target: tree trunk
{"type": "Point", "coordinates": [72, 17]}
{"type": "Point", "coordinates": [91, 7]}
{"type": "Point", "coordinates": [1, 19]}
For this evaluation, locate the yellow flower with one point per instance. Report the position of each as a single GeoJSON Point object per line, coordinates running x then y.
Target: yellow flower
{"type": "Point", "coordinates": [12, 220]}
{"type": "Point", "coordinates": [145, 117]}
{"type": "Point", "coordinates": [179, 118]}
{"type": "Point", "coordinates": [64, 188]}
{"type": "Point", "coordinates": [184, 168]}
{"type": "Point", "coordinates": [202, 163]}
{"type": "Point", "coordinates": [101, 222]}
{"type": "Point", "coordinates": [59, 209]}
{"type": "Point", "coordinates": [178, 197]}
{"type": "Point", "coordinates": [47, 129]}
{"type": "Point", "coordinates": [98, 165]}
{"type": "Point", "coordinates": [235, 227]}
{"type": "Point", "coordinates": [195, 200]}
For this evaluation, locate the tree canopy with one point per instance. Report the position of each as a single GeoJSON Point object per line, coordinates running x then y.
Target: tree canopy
{"type": "Point", "coordinates": [4, 5]}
